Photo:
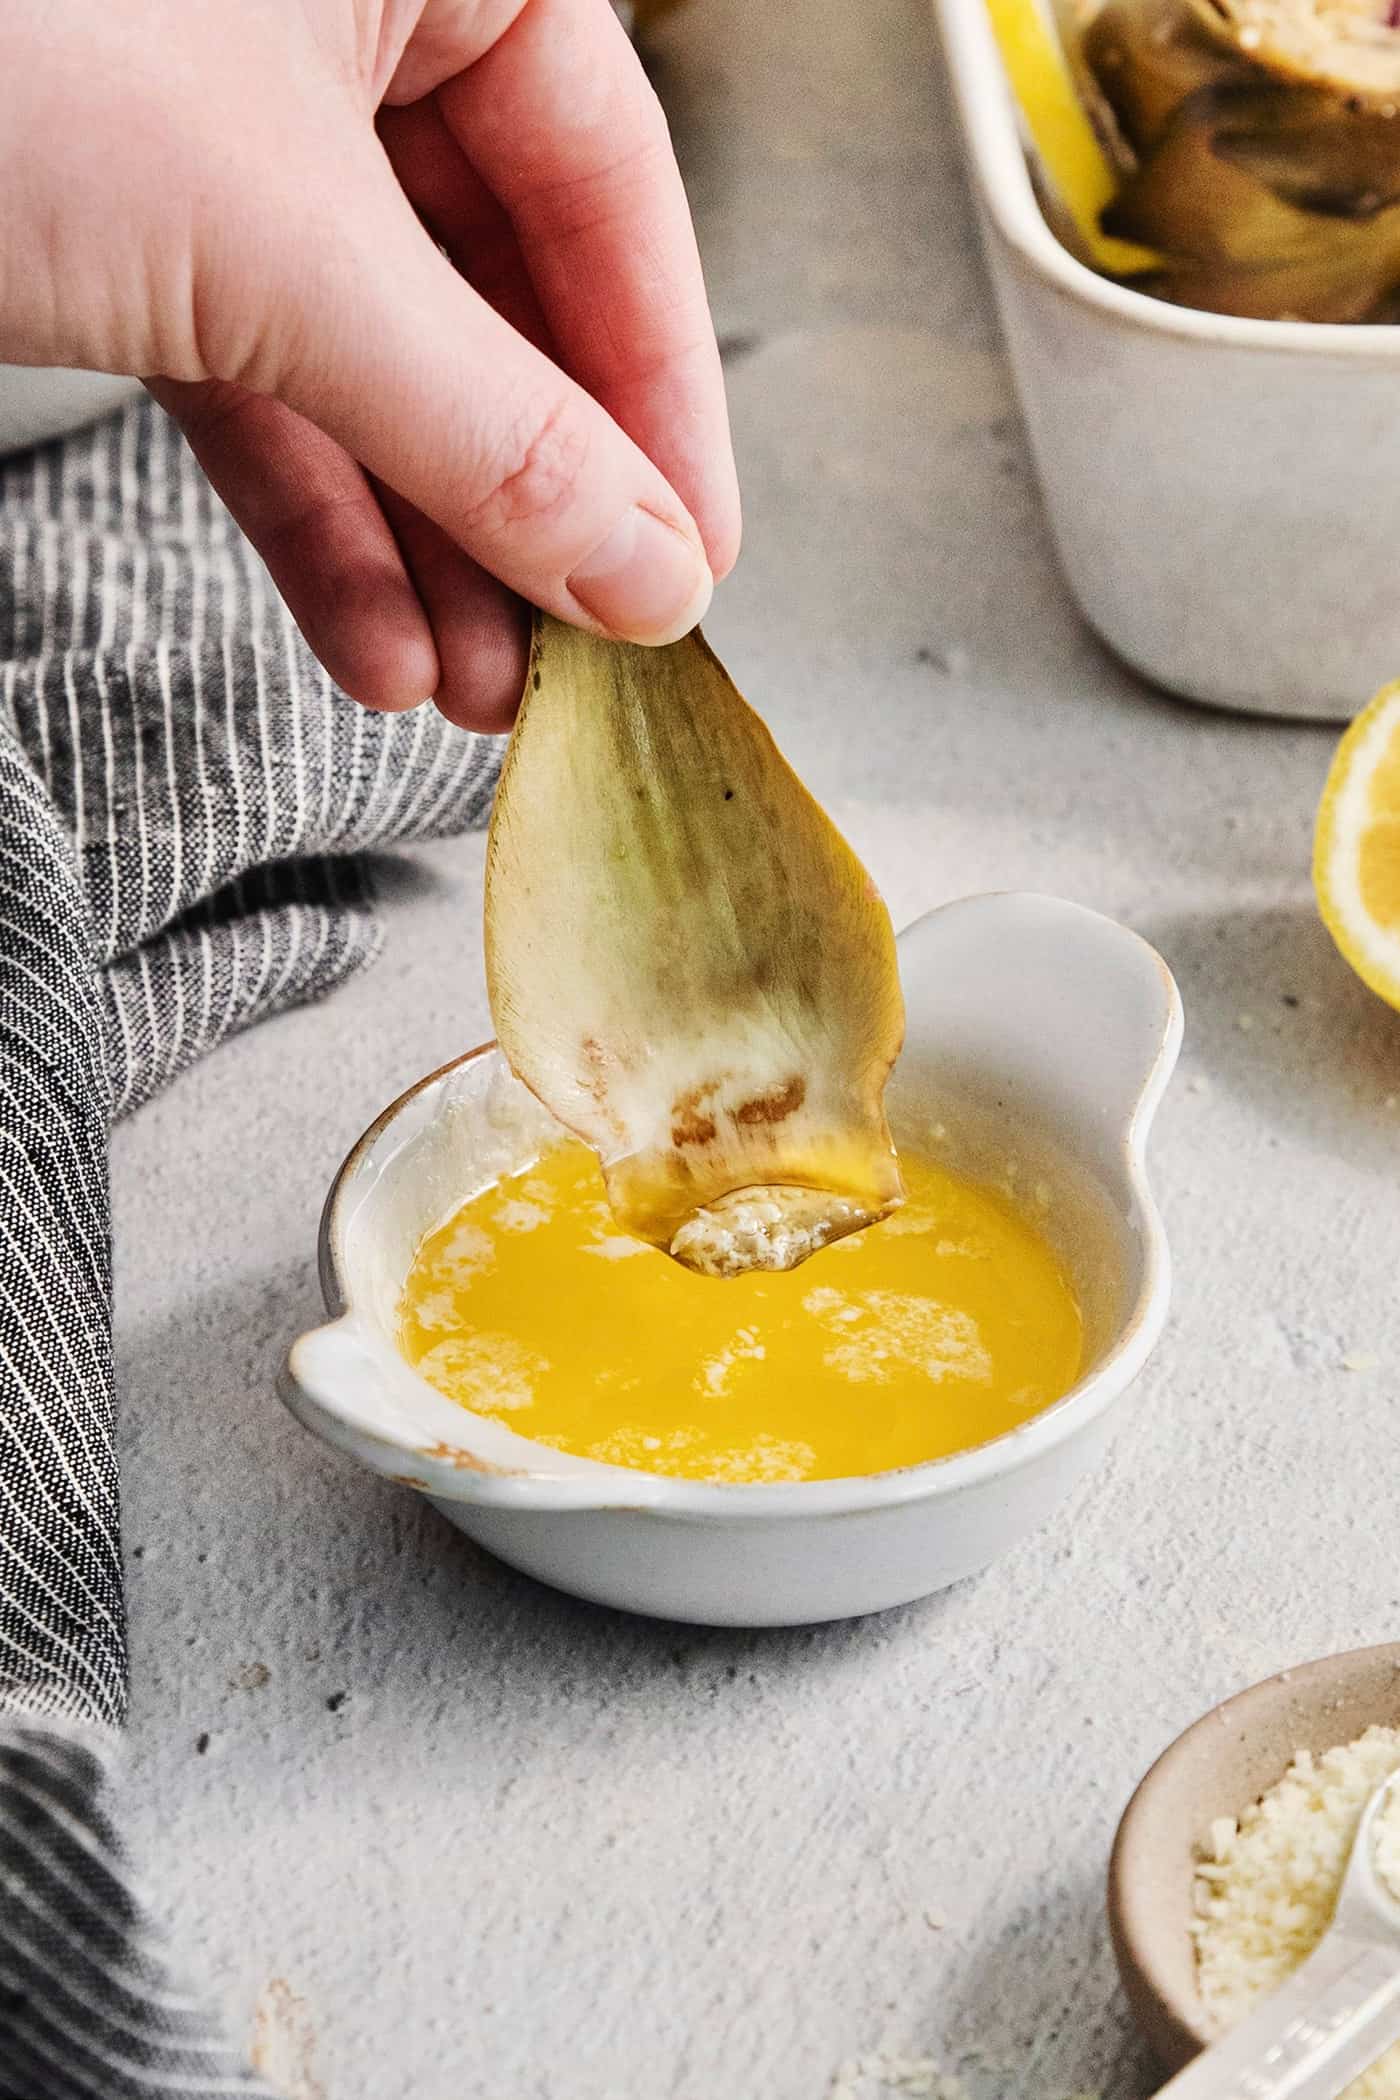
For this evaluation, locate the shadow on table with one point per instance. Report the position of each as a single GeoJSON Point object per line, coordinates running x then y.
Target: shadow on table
{"type": "Point", "coordinates": [403, 878]}
{"type": "Point", "coordinates": [330, 1577]}
{"type": "Point", "coordinates": [1038, 2009]}
{"type": "Point", "coordinates": [1275, 1015]}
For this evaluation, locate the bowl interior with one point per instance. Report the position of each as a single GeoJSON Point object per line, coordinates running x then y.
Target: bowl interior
{"type": "Point", "coordinates": [467, 1127]}
{"type": "Point", "coordinates": [1217, 1768]}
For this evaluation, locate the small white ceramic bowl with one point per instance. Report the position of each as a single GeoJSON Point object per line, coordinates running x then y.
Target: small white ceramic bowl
{"type": "Point", "coordinates": [1223, 492]}
{"type": "Point", "coordinates": [37, 403]}
{"type": "Point", "coordinates": [1218, 1768]}
{"type": "Point", "coordinates": [1040, 1039]}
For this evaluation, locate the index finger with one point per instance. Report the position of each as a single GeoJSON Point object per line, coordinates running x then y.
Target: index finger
{"type": "Point", "coordinates": [560, 121]}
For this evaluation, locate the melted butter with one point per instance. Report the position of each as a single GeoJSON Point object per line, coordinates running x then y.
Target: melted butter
{"type": "Point", "coordinates": [934, 1332]}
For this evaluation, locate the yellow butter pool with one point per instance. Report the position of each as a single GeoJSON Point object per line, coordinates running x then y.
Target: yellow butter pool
{"type": "Point", "coordinates": [945, 1326]}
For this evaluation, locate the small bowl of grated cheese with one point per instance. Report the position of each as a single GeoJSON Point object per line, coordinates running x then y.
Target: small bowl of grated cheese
{"type": "Point", "coordinates": [1228, 1860]}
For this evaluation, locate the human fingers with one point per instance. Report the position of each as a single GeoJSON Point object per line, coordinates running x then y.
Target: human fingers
{"type": "Point", "coordinates": [316, 522]}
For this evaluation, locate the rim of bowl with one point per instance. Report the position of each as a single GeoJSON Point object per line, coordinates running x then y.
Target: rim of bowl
{"type": "Point", "coordinates": [992, 140]}
{"type": "Point", "coordinates": [1147, 1936]}
{"type": "Point", "coordinates": [1074, 1411]}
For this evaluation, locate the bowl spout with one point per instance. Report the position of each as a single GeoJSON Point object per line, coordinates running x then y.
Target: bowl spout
{"type": "Point", "coordinates": [1061, 1016]}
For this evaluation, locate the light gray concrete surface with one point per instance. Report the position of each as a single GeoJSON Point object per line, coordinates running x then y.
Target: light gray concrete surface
{"type": "Point", "coordinates": [539, 1852]}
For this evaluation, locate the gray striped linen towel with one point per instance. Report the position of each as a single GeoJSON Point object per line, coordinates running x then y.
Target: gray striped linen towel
{"type": "Point", "coordinates": [182, 794]}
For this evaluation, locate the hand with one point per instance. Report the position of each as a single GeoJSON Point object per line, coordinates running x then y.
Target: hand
{"type": "Point", "coordinates": [418, 280]}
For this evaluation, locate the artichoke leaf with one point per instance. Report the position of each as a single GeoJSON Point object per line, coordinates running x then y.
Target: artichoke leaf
{"type": "Point", "coordinates": [686, 963]}
{"type": "Point", "coordinates": [1148, 56]}
{"type": "Point", "coordinates": [1311, 150]}
{"type": "Point", "coordinates": [1265, 139]}
{"type": "Point", "coordinates": [1231, 242]}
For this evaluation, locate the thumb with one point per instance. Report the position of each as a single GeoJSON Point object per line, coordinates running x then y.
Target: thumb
{"type": "Point", "coordinates": [376, 339]}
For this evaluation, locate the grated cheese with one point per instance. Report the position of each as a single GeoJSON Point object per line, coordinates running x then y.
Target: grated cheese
{"type": "Point", "coordinates": [917, 2077]}
{"type": "Point", "coordinates": [1266, 1885]}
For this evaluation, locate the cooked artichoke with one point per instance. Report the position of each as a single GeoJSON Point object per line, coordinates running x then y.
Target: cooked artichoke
{"type": "Point", "coordinates": [1263, 149]}
{"type": "Point", "coordinates": [686, 962]}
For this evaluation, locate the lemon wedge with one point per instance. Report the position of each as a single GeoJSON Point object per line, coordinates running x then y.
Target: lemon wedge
{"type": "Point", "coordinates": [1356, 855]}
{"type": "Point", "coordinates": [1064, 139]}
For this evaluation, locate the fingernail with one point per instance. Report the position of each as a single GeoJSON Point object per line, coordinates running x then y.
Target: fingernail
{"type": "Point", "coordinates": [647, 582]}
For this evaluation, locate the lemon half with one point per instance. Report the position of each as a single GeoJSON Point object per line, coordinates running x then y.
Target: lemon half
{"type": "Point", "coordinates": [1356, 854]}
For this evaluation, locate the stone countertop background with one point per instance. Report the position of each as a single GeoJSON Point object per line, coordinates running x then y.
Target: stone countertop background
{"type": "Point", "coordinates": [441, 1834]}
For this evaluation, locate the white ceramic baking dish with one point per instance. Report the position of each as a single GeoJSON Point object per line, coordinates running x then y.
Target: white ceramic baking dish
{"type": "Point", "coordinates": [38, 403]}
{"type": "Point", "coordinates": [1224, 494]}
{"type": "Point", "coordinates": [1040, 1039]}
